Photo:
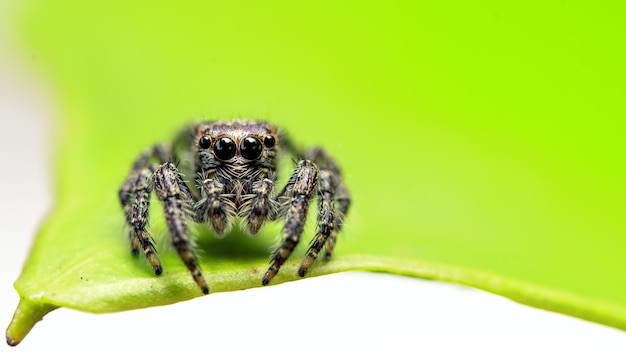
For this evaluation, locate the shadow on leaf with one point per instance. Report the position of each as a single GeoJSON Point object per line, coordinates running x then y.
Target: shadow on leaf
{"type": "Point", "coordinates": [236, 243]}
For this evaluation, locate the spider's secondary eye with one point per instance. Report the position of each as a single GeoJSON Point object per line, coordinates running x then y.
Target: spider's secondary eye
{"type": "Point", "coordinates": [205, 142]}
{"type": "Point", "coordinates": [251, 148]}
{"type": "Point", "coordinates": [225, 148]}
{"type": "Point", "coordinates": [269, 141]}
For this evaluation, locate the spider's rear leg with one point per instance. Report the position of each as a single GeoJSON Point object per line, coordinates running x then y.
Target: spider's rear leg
{"type": "Point", "coordinates": [126, 196]}
{"type": "Point", "coordinates": [135, 198]}
{"type": "Point", "coordinates": [175, 196]}
{"type": "Point", "coordinates": [135, 187]}
{"type": "Point", "coordinates": [325, 220]}
{"type": "Point", "coordinates": [342, 197]}
{"type": "Point", "coordinates": [300, 187]}
{"type": "Point", "coordinates": [343, 201]}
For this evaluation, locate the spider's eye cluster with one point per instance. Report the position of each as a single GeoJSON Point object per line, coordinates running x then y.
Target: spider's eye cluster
{"type": "Point", "coordinates": [225, 148]}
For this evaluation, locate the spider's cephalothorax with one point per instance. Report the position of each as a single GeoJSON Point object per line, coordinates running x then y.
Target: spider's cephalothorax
{"type": "Point", "coordinates": [234, 163]}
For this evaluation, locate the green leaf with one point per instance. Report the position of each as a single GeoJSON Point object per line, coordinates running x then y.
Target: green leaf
{"type": "Point", "coordinates": [483, 144]}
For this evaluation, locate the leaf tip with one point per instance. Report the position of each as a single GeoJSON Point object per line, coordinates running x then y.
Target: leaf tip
{"type": "Point", "coordinates": [26, 315]}
{"type": "Point", "coordinates": [10, 341]}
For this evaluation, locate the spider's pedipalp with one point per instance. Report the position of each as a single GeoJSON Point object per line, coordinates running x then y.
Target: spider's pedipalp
{"type": "Point", "coordinates": [212, 206]}
{"type": "Point", "coordinates": [259, 205]}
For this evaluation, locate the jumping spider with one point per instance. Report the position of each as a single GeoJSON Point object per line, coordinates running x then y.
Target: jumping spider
{"type": "Point", "coordinates": [234, 163]}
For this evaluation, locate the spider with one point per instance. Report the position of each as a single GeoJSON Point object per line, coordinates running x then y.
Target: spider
{"type": "Point", "coordinates": [234, 166]}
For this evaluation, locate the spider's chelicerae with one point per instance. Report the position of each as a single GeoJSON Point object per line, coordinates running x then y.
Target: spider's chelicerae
{"type": "Point", "coordinates": [234, 166]}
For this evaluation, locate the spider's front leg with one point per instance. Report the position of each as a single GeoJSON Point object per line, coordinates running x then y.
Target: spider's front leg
{"type": "Point", "coordinates": [175, 196]}
{"type": "Point", "coordinates": [300, 188]}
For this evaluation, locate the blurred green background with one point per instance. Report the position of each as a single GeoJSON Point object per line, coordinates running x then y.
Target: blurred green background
{"type": "Point", "coordinates": [488, 135]}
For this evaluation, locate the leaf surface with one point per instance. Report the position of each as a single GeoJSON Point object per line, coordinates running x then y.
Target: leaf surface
{"type": "Point", "coordinates": [482, 144]}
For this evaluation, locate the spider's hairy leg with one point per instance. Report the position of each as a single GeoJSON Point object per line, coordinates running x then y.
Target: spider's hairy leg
{"type": "Point", "coordinates": [134, 196]}
{"type": "Point", "coordinates": [300, 188]}
{"type": "Point", "coordinates": [343, 202]}
{"type": "Point", "coordinates": [342, 197]}
{"type": "Point", "coordinates": [325, 219]}
{"type": "Point", "coordinates": [136, 205]}
{"type": "Point", "coordinates": [175, 196]}
{"type": "Point", "coordinates": [213, 205]}
{"type": "Point", "coordinates": [260, 205]}
{"type": "Point", "coordinates": [139, 219]}
{"type": "Point", "coordinates": [126, 193]}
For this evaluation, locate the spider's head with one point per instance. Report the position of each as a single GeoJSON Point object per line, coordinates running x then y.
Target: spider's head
{"type": "Point", "coordinates": [236, 145]}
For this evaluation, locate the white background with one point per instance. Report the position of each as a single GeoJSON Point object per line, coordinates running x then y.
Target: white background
{"type": "Point", "coordinates": [338, 312]}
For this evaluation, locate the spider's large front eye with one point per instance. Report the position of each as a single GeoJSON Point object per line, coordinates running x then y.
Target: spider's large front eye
{"type": "Point", "coordinates": [225, 148]}
{"type": "Point", "coordinates": [251, 148]}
